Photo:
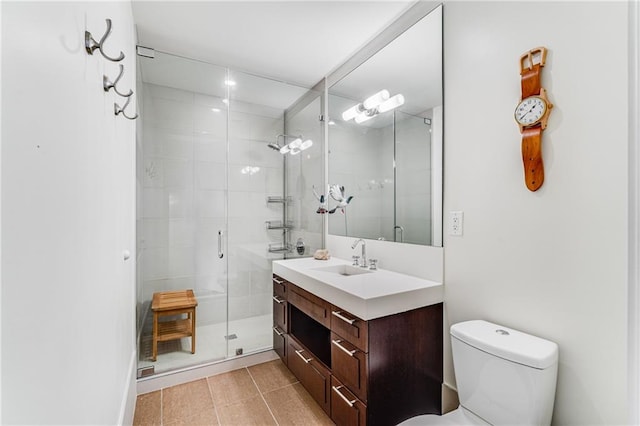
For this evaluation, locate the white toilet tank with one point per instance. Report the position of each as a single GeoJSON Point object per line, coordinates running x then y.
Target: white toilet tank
{"type": "Point", "coordinates": [504, 376]}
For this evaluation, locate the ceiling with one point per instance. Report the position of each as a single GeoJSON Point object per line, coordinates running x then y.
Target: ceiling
{"type": "Point", "coordinates": [294, 41]}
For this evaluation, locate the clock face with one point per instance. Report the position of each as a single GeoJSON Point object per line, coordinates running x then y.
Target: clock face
{"type": "Point", "coordinates": [530, 110]}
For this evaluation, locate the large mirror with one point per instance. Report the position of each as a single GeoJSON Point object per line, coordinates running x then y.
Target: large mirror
{"type": "Point", "coordinates": [385, 141]}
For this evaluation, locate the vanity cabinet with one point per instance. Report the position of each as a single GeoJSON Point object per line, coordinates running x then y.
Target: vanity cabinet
{"type": "Point", "coordinates": [376, 372]}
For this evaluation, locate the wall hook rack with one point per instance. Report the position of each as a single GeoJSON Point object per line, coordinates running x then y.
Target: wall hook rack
{"type": "Point", "coordinates": [90, 44]}
{"type": "Point", "coordinates": [107, 84]}
{"type": "Point", "coordinates": [117, 110]}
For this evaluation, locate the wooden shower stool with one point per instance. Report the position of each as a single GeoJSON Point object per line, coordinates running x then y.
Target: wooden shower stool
{"type": "Point", "coordinates": [166, 303]}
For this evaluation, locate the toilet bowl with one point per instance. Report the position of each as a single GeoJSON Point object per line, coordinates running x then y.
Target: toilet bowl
{"type": "Point", "coordinates": [504, 376]}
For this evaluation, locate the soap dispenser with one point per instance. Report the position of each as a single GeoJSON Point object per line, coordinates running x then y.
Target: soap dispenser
{"type": "Point", "coordinates": [300, 246]}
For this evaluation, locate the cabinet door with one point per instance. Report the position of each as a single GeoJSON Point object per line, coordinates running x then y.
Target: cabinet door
{"type": "Point", "coordinates": [350, 327]}
{"type": "Point", "coordinates": [346, 409]}
{"type": "Point", "coordinates": [280, 315]}
{"type": "Point", "coordinates": [349, 365]}
{"type": "Point", "coordinates": [280, 343]}
{"type": "Point", "coordinates": [279, 287]}
{"type": "Point", "coordinates": [311, 373]}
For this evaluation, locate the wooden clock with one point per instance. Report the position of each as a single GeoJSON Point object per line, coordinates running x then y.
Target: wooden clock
{"type": "Point", "coordinates": [532, 114]}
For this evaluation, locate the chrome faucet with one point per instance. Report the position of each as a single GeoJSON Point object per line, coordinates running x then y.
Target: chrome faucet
{"type": "Point", "coordinates": [363, 258]}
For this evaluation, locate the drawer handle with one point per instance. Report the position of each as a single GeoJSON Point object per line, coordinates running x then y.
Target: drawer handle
{"type": "Point", "coordinates": [299, 353]}
{"type": "Point", "coordinates": [345, 350]}
{"type": "Point", "coordinates": [278, 301]}
{"type": "Point", "coordinates": [336, 389]}
{"type": "Point", "coordinates": [277, 281]}
{"type": "Point", "coordinates": [277, 331]}
{"type": "Point", "coordinates": [342, 317]}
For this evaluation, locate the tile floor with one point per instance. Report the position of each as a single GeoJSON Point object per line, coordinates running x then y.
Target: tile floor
{"type": "Point", "coordinates": [263, 394]}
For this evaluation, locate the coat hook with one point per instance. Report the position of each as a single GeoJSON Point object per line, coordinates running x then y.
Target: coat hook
{"type": "Point", "coordinates": [117, 110]}
{"type": "Point", "coordinates": [90, 44]}
{"type": "Point", "coordinates": [108, 84]}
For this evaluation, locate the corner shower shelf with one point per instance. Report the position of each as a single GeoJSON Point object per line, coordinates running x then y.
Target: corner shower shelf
{"type": "Point", "coordinates": [277, 224]}
{"type": "Point", "coordinates": [279, 248]}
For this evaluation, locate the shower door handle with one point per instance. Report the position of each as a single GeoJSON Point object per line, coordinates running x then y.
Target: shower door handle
{"type": "Point", "coordinates": [220, 252]}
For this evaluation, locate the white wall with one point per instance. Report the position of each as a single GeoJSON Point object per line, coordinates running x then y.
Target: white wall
{"type": "Point", "coordinates": [551, 263]}
{"type": "Point", "coordinates": [67, 216]}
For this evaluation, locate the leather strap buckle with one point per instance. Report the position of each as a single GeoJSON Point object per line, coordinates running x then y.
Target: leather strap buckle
{"type": "Point", "coordinates": [529, 57]}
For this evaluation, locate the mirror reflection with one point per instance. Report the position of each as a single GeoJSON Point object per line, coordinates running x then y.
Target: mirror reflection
{"type": "Point", "coordinates": [385, 140]}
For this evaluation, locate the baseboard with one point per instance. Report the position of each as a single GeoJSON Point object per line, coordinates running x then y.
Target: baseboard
{"type": "Point", "coordinates": [161, 381]}
{"type": "Point", "coordinates": [449, 398]}
{"type": "Point", "coordinates": [128, 405]}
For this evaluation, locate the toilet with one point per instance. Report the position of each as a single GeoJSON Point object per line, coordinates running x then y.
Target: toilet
{"type": "Point", "coordinates": [504, 377]}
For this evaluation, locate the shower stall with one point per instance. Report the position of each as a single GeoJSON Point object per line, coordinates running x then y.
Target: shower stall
{"type": "Point", "coordinates": [215, 204]}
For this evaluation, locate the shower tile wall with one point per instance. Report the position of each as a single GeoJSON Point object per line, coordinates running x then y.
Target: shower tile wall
{"type": "Point", "coordinates": [183, 206]}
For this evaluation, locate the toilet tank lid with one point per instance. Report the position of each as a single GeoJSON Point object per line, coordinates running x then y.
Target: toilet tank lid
{"type": "Point", "coordinates": [507, 343]}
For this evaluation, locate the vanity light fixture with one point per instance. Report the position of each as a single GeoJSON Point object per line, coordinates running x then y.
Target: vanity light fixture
{"type": "Point", "coordinates": [294, 147]}
{"type": "Point", "coordinates": [372, 106]}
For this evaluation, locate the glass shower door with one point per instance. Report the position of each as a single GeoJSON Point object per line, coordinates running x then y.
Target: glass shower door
{"type": "Point", "coordinates": [182, 185]}
{"type": "Point", "coordinates": [255, 173]}
{"type": "Point", "coordinates": [412, 218]}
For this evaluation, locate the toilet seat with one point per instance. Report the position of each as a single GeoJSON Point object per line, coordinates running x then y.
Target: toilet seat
{"type": "Point", "coordinates": [457, 417]}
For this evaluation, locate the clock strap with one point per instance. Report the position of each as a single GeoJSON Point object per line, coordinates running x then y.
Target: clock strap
{"type": "Point", "coordinates": [532, 157]}
{"type": "Point", "coordinates": [530, 81]}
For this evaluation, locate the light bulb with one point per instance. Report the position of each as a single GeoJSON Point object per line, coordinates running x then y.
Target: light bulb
{"type": "Point", "coordinates": [295, 143]}
{"type": "Point", "coordinates": [285, 149]}
{"type": "Point", "coordinates": [295, 151]}
{"type": "Point", "coordinates": [306, 144]}
{"type": "Point", "coordinates": [392, 103]}
{"type": "Point", "coordinates": [352, 112]}
{"type": "Point", "coordinates": [375, 100]}
{"type": "Point", "coordinates": [364, 117]}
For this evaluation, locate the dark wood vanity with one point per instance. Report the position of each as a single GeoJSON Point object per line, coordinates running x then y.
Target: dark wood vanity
{"type": "Point", "coordinates": [376, 372]}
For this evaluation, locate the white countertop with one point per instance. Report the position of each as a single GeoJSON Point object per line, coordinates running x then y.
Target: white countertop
{"type": "Point", "coordinates": [368, 296]}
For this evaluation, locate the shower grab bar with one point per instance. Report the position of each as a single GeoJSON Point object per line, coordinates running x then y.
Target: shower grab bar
{"type": "Point", "coordinates": [220, 252]}
{"type": "Point", "coordinates": [107, 84]}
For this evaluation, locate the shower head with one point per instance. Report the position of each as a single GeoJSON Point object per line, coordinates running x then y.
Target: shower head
{"type": "Point", "coordinates": [274, 146]}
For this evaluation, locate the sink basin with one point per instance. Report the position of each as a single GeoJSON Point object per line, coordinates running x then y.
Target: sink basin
{"type": "Point", "coordinates": [345, 270]}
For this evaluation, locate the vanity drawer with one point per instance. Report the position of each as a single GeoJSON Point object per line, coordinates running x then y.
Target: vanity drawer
{"type": "Point", "coordinates": [314, 376]}
{"type": "Point", "coordinates": [279, 287]}
{"type": "Point", "coordinates": [350, 328]}
{"type": "Point", "coordinates": [349, 364]}
{"type": "Point", "coordinates": [346, 409]}
{"type": "Point", "coordinates": [310, 304]}
{"type": "Point", "coordinates": [280, 343]}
